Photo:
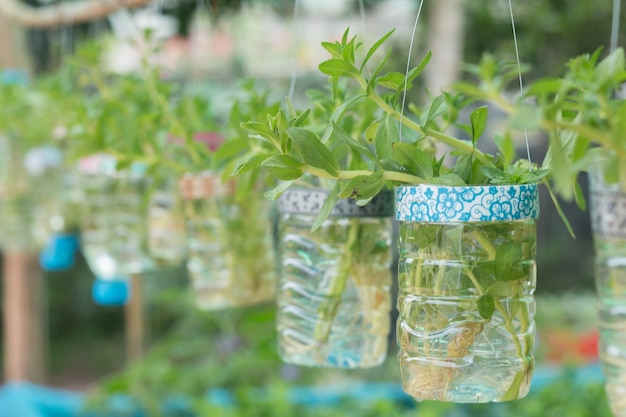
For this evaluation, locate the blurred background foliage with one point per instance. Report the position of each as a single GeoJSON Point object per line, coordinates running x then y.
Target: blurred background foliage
{"type": "Point", "coordinates": [197, 351]}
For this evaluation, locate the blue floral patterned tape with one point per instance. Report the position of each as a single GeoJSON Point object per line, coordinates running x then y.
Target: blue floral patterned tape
{"type": "Point", "coordinates": [431, 203]}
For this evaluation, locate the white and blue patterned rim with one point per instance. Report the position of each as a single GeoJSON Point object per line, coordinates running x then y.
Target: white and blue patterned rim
{"type": "Point", "coordinates": [490, 203]}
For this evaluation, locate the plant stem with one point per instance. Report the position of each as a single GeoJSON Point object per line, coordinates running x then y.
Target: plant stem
{"type": "Point", "coordinates": [595, 135]}
{"type": "Point", "coordinates": [462, 145]}
{"type": "Point", "coordinates": [485, 243]}
{"type": "Point", "coordinates": [349, 174]}
{"type": "Point", "coordinates": [328, 310]}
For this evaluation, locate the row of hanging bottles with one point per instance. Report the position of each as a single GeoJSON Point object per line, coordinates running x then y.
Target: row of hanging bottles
{"type": "Point", "coordinates": [187, 220]}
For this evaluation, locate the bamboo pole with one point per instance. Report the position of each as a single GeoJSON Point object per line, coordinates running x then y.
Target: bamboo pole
{"type": "Point", "coordinates": [134, 320]}
{"type": "Point", "coordinates": [23, 308]}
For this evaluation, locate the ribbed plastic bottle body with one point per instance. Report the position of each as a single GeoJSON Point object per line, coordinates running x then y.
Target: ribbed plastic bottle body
{"type": "Point", "coordinates": [466, 310]}
{"type": "Point", "coordinates": [166, 237]}
{"type": "Point", "coordinates": [15, 200]}
{"type": "Point", "coordinates": [230, 249]}
{"type": "Point", "coordinates": [113, 225]}
{"type": "Point", "coordinates": [334, 291]}
{"type": "Point", "coordinates": [610, 273]}
{"type": "Point", "coordinates": [608, 224]}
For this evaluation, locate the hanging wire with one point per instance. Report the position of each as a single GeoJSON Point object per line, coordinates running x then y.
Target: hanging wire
{"type": "Point", "coordinates": [519, 73]}
{"type": "Point", "coordinates": [408, 65]}
{"type": "Point", "coordinates": [296, 40]}
{"type": "Point", "coordinates": [615, 24]}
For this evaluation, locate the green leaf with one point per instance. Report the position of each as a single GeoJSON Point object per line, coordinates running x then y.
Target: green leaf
{"type": "Point", "coordinates": [478, 120]}
{"type": "Point", "coordinates": [495, 174]}
{"type": "Point", "coordinates": [559, 167]}
{"type": "Point", "coordinates": [351, 142]}
{"type": "Point", "coordinates": [284, 167]}
{"type": "Point", "coordinates": [363, 187]}
{"type": "Point", "coordinates": [375, 47]}
{"type": "Point", "coordinates": [385, 136]}
{"type": "Point", "coordinates": [372, 131]}
{"type": "Point", "coordinates": [332, 47]}
{"type": "Point", "coordinates": [449, 179]}
{"type": "Point", "coordinates": [463, 167]}
{"type": "Point", "coordinates": [413, 159]}
{"type": "Point", "coordinates": [298, 121]}
{"type": "Point", "coordinates": [313, 150]}
{"type": "Point", "coordinates": [391, 165]}
{"type": "Point", "coordinates": [415, 72]}
{"type": "Point", "coordinates": [251, 163]}
{"type": "Point", "coordinates": [372, 82]}
{"type": "Point", "coordinates": [259, 129]}
{"type": "Point", "coordinates": [435, 108]}
{"type": "Point", "coordinates": [500, 289]}
{"type": "Point", "coordinates": [231, 148]}
{"type": "Point", "coordinates": [338, 68]}
{"type": "Point", "coordinates": [391, 80]}
{"type": "Point", "coordinates": [486, 306]}
{"type": "Point", "coordinates": [275, 192]}
{"type": "Point", "coordinates": [327, 207]}
{"type": "Point", "coordinates": [338, 114]}
{"type": "Point", "coordinates": [509, 251]}
{"type": "Point", "coordinates": [506, 146]}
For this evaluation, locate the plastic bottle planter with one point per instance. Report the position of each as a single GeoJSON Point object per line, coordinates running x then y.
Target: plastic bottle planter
{"type": "Point", "coordinates": [334, 284]}
{"type": "Point", "coordinates": [608, 224]}
{"type": "Point", "coordinates": [466, 276]}
{"type": "Point", "coordinates": [15, 200]}
{"type": "Point", "coordinates": [113, 222]}
{"type": "Point", "coordinates": [230, 256]}
{"type": "Point", "coordinates": [55, 207]}
{"type": "Point", "coordinates": [167, 243]}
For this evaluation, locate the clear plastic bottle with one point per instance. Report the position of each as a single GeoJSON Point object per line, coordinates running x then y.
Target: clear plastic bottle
{"type": "Point", "coordinates": [114, 217]}
{"type": "Point", "coordinates": [230, 252]}
{"type": "Point", "coordinates": [15, 199]}
{"type": "Point", "coordinates": [608, 223]}
{"type": "Point", "coordinates": [334, 284]}
{"type": "Point", "coordinates": [466, 279]}
{"type": "Point", "coordinates": [167, 243]}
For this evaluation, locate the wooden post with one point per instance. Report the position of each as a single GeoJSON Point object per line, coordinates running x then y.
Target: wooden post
{"type": "Point", "coordinates": [134, 320]}
{"type": "Point", "coordinates": [23, 307]}
{"type": "Point", "coordinates": [13, 52]}
{"type": "Point", "coordinates": [446, 40]}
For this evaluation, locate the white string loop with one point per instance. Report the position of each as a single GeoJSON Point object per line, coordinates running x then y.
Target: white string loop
{"type": "Point", "coordinates": [408, 66]}
{"type": "Point", "coordinates": [296, 40]}
{"type": "Point", "coordinates": [615, 24]}
{"type": "Point", "coordinates": [521, 83]}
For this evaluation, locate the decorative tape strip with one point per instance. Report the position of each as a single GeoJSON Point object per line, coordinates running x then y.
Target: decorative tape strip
{"type": "Point", "coordinates": [310, 201]}
{"type": "Point", "coordinates": [205, 185]}
{"type": "Point", "coordinates": [431, 203]}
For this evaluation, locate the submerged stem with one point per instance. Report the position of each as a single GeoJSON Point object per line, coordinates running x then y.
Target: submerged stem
{"type": "Point", "coordinates": [328, 310]}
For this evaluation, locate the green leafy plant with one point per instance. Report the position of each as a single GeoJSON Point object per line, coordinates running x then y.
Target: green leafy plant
{"type": "Point", "coordinates": [357, 154]}
{"type": "Point", "coordinates": [395, 148]}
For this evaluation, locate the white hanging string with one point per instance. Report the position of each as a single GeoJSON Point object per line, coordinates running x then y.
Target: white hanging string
{"type": "Point", "coordinates": [296, 40]}
{"type": "Point", "coordinates": [408, 65]}
{"type": "Point", "coordinates": [615, 24]}
{"type": "Point", "coordinates": [519, 73]}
